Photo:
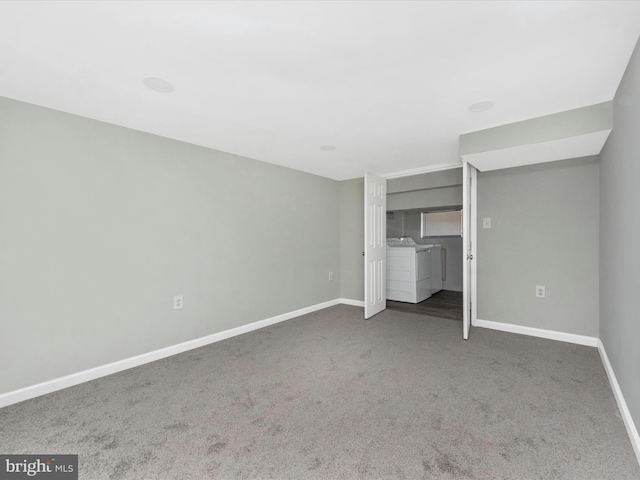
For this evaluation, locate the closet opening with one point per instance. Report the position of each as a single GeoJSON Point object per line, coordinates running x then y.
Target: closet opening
{"type": "Point", "coordinates": [424, 268]}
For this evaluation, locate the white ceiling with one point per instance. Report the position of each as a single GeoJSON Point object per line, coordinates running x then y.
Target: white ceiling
{"type": "Point", "coordinates": [388, 83]}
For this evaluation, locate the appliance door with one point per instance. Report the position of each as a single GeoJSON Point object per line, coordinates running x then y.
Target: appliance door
{"type": "Point", "coordinates": [423, 264]}
{"type": "Point", "coordinates": [423, 275]}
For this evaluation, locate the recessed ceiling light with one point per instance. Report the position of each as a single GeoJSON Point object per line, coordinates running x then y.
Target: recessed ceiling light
{"type": "Point", "coordinates": [158, 84]}
{"type": "Point", "coordinates": [328, 148]}
{"type": "Point", "coordinates": [481, 106]}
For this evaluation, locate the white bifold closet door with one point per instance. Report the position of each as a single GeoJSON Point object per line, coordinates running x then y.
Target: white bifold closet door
{"type": "Point", "coordinates": [375, 244]}
{"type": "Point", "coordinates": [469, 189]}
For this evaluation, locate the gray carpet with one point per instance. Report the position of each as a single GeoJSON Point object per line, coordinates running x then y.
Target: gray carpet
{"type": "Point", "coordinates": [332, 396]}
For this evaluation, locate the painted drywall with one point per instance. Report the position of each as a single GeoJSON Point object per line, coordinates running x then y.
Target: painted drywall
{"type": "Point", "coordinates": [352, 239]}
{"type": "Point", "coordinates": [434, 190]}
{"type": "Point", "coordinates": [571, 123]}
{"type": "Point", "coordinates": [619, 237]}
{"type": "Point", "coordinates": [571, 134]}
{"type": "Point", "coordinates": [395, 224]}
{"type": "Point", "coordinates": [453, 267]}
{"type": "Point", "coordinates": [544, 231]}
{"type": "Point", "coordinates": [438, 179]}
{"type": "Point", "coordinates": [100, 226]}
{"type": "Point", "coordinates": [432, 197]}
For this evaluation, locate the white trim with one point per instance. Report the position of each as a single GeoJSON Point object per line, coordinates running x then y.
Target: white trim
{"type": "Point", "coordinates": [466, 249]}
{"type": "Point", "coordinates": [49, 386]}
{"type": "Point", "coordinates": [421, 170]}
{"type": "Point", "coordinates": [474, 245]}
{"type": "Point", "coordinates": [539, 332]}
{"type": "Point", "coordinates": [622, 405]}
{"type": "Point", "coordinates": [349, 301]}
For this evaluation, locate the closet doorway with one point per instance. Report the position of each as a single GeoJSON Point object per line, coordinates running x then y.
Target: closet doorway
{"type": "Point", "coordinates": [411, 202]}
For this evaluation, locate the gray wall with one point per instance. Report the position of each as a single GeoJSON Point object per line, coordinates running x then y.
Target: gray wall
{"type": "Point", "coordinates": [570, 123]}
{"type": "Point", "coordinates": [433, 198]}
{"type": "Point", "coordinates": [544, 231]}
{"type": "Point", "coordinates": [422, 181]}
{"type": "Point", "coordinates": [434, 189]}
{"type": "Point", "coordinates": [619, 238]}
{"type": "Point", "coordinates": [395, 224]}
{"type": "Point", "coordinates": [454, 262]}
{"type": "Point", "coordinates": [100, 226]}
{"type": "Point", "coordinates": [352, 239]}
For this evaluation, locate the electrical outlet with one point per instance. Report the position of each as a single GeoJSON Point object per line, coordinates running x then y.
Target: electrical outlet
{"type": "Point", "coordinates": [177, 302]}
{"type": "Point", "coordinates": [540, 291]}
{"type": "Point", "coordinates": [330, 276]}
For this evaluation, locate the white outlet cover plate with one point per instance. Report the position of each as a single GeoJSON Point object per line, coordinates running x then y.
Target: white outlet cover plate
{"type": "Point", "coordinates": [178, 302]}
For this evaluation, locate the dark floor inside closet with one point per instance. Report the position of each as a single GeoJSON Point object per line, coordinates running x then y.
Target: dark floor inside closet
{"type": "Point", "coordinates": [444, 304]}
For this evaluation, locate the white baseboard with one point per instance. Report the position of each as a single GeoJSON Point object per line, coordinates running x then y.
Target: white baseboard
{"type": "Point", "coordinates": [49, 386]}
{"type": "Point", "coordinates": [538, 332]}
{"type": "Point", "coordinates": [632, 431]}
{"type": "Point", "coordinates": [355, 303]}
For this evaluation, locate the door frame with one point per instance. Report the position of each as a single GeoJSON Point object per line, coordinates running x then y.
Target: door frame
{"type": "Point", "coordinates": [469, 247]}
{"type": "Point", "coordinates": [472, 287]}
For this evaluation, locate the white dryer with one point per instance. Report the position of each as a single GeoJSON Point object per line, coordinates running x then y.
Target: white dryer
{"type": "Point", "coordinates": [408, 272]}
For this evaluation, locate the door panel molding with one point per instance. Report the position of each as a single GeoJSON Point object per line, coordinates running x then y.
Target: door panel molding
{"type": "Point", "coordinates": [375, 244]}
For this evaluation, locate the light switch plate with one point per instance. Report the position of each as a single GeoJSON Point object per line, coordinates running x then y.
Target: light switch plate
{"type": "Point", "coordinates": [486, 223]}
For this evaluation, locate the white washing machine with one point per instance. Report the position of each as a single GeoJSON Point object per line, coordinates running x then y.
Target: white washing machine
{"type": "Point", "coordinates": [408, 272]}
